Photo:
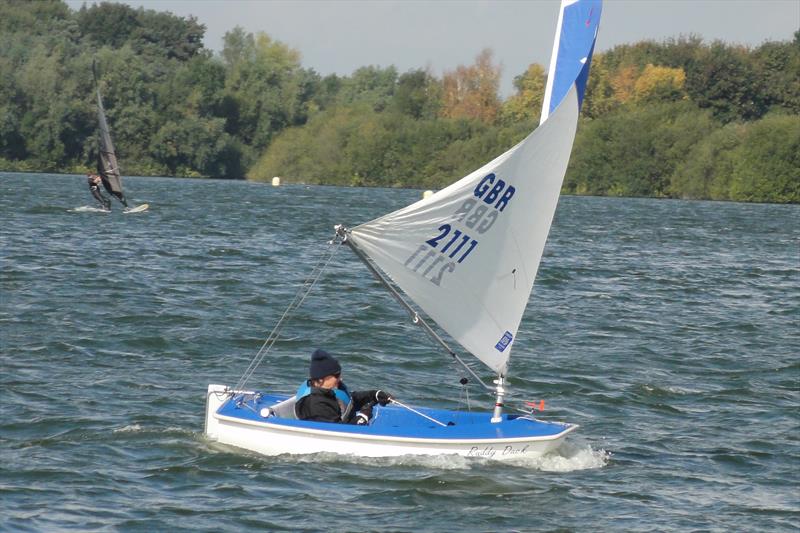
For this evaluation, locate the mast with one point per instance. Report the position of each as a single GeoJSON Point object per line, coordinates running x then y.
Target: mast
{"type": "Point", "coordinates": [497, 414]}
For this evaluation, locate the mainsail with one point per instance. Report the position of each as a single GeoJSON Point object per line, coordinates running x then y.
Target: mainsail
{"type": "Point", "coordinates": [107, 166]}
{"type": "Point", "coordinates": [468, 255]}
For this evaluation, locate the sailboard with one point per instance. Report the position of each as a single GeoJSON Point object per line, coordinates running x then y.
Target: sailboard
{"type": "Point", "coordinates": [465, 259]}
{"type": "Point", "coordinates": [137, 209]}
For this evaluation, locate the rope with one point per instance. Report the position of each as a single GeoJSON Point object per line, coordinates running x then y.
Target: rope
{"type": "Point", "coordinates": [302, 293]}
{"type": "Point", "coordinates": [418, 413]}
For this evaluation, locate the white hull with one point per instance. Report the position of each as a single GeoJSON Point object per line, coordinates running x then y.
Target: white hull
{"type": "Point", "coordinates": [273, 439]}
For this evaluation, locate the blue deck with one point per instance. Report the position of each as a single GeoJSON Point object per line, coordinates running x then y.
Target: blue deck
{"type": "Point", "coordinates": [394, 421]}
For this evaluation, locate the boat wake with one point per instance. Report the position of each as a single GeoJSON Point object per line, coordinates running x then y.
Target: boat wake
{"type": "Point", "coordinates": [568, 458]}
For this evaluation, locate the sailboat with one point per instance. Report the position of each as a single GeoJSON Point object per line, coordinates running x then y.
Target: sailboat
{"type": "Point", "coordinates": [466, 257]}
{"type": "Point", "coordinates": [107, 166]}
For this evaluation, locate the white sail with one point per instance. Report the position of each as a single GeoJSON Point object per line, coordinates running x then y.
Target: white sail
{"type": "Point", "coordinates": [468, 255]}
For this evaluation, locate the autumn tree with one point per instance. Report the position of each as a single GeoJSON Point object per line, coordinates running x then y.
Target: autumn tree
{"type": "Point", "coordinates": [624, 83]}
{"type": "Point", "coordinates": [660, 84]}
{"type": "Point", "coordinates": [471, 91]}
{"type": "Point", "coordinates": [599, 97]}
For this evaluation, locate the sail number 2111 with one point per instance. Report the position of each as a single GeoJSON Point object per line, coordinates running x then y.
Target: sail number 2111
{"type": "Point", "coordinates": [454, 250]}
{"type": "Point", "coordinates": [459, 244]}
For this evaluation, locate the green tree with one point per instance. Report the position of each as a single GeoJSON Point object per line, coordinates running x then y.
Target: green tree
{"type": "Point", "coordinates": [108, 23]}
{"type": "Point", "coordinates": [724, 79]}
{"type": "Point", "coordinates": [264, 87]}
{"type": "Point", "coordinates": [168, 35]}
{"type": "Point", "coordinates": [526, 103]}
{"type": "Point", "coordinates": [148, 32]}
{"type": "Point", "coordinates": [48, 122]}
{"type": "Point", "coordinates": [371, 85]}
{"type": "Point", "coordinates": [12, 144]}
{"type": "Point", "coordinates": [418, 95]}
{"type": "Point", "coordinates": [635, 152]}
{"type": "Point", "coordinates": [705, 172]}
{"type": "Point", "coordinates": [778, 66]}
{"type": "Point", "coordinates": [767, 162]}
{"type": "Point", "coordinates": [193, 145]}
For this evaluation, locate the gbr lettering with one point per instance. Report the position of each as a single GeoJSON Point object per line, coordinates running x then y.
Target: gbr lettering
{"type": "Point", "coordinates": [452, 243]}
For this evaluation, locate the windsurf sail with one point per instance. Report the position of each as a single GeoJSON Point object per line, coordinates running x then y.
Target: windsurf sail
{"type": "Point", "coordinates": [107, 166]}
{"type": "Point", "coordinates": [468, 255]}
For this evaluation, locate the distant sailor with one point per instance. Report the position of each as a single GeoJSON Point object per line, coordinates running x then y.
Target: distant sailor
{"type": "Point", "coordinates": [94, 186]}
{"type": "Point", "coordinates": [325, 398]}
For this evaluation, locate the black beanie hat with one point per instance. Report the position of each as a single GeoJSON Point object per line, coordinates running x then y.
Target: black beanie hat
{"type": "Point", "coordinates": [323, 364]}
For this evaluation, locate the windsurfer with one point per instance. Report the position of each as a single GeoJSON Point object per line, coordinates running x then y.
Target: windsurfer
{"type": "Point", "coordinates": [324, 396]}
{"type": "Point", "coordinates": [94, 186]}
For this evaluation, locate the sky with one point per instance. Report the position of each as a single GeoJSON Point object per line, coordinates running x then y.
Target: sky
{"type": "Point", "coordinates": [339, 36]}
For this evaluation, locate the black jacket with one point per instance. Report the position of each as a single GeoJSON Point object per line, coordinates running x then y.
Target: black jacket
{"type": "Point", "coordinates": [321, 405]}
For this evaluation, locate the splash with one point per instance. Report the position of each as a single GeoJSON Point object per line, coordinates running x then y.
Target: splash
{"type": "Point", "coordinates": [132, 428]}
{"type": "Point", "coordinates": [87, 209]}
{"type": "Point", "coordinates": [568, 458]}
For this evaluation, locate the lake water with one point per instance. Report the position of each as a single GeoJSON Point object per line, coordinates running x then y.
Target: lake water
{"type": "Point", "coordinates": [668, 330]}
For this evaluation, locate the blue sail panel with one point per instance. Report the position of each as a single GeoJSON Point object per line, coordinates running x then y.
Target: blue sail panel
{"type": "Point", "coordinates": [572, 51]}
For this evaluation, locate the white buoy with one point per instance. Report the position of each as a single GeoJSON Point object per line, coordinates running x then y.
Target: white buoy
{"type": "Point", "coordinates": [276, 181]}
{"type": "Point", "coordinates": [426, 194]}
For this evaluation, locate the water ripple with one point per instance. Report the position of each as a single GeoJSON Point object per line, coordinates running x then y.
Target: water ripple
{"type": "Point", "coordinates": [666, 329]}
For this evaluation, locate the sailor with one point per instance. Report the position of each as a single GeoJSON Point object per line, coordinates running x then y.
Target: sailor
{"type": "Point", "coordinates": [94, 186]}
{"type": "Point", "coordinates": [324, 396]}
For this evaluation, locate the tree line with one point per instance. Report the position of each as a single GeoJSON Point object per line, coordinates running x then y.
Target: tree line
{"type": "Point", "coordinates": [676, 119]}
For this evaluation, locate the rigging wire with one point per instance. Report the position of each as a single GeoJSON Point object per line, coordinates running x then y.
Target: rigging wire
{"type": "Point", "coordinates": [325, 258]}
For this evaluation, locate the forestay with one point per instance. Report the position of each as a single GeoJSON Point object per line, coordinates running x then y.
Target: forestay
{"type": "Point", "coordinates": [468, 255]}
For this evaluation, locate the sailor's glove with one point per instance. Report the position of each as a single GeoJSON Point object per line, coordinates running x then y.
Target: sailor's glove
{"type": "Point", "coordinates": [363, 416]}
{"type": "Point", "coordinates": [383, 397]}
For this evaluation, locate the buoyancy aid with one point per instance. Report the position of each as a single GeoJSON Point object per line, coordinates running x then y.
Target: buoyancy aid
{"type": "Point", "coordinates": [341, 393]}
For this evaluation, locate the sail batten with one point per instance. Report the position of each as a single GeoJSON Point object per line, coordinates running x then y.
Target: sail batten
{"type": "Point", "coordinates": [468, 255]}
